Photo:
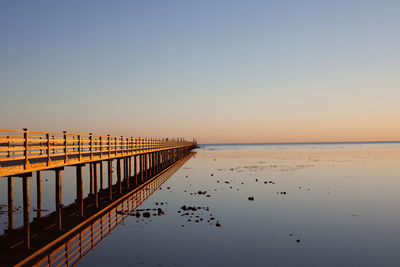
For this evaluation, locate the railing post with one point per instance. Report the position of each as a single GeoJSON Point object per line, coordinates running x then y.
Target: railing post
{"type": "Point", "coordinates": [40, 145]}
{"type": "Point", "coordinates": [80, 147]}
{"type": "Point", "coordinates": [9, 146]}
{"type": "Point", "coordinates": [65, 147]}
{"type": "Point", "coordinates": [109, 145]}
{"type": "Point", "coordinates": [115, 145]}
{"type": "Point", "coordinates": [122, 145]}
{"type": "Point", "coordinates": [48, 149]}
{"type": "Point", "coordinates": [91, 145]}
{"type": "Point", "coordinates": [101, 146]}
{"type": "Point", "coordinates": [26, 151]}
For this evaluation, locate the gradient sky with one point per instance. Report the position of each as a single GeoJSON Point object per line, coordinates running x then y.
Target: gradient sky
{"type": "Point", "coordinates": [220, 71]}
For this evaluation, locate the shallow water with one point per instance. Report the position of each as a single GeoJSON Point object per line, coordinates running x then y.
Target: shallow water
{"type": "Point", "coordinates": [339, 208]}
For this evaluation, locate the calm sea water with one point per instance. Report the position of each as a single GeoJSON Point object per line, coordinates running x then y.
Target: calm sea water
{"type": "Point", "coordinates": [314, 205]}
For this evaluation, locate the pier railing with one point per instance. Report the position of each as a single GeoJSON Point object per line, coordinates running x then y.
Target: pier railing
{"type": "Point", "coordinates": [26, 151]}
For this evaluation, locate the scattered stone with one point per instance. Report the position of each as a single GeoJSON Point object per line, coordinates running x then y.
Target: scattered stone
{"type": "Point", "coordinates": [298, 240]}
{"type": "Point", "coordinates": [160, 212]}
{"type": "Point", "coordinates": [212, 174]}
{"type": "Point", "coordinates": [251, 198]}
{"type": "Point", "coordinates": [218, 224]}
{"type": "Point", "coordinates": [146, 214]}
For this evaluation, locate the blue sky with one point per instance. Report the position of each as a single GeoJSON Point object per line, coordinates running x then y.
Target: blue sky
{"type": "Point", "coordinates": [221, 71]}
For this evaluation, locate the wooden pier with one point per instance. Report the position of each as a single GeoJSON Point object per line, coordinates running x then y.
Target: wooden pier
{"type": "Point", "coordinates": [22, 153]}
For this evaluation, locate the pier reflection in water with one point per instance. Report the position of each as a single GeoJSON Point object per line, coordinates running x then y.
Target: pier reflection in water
{"type": "Point", "coordinates": [77, 242]}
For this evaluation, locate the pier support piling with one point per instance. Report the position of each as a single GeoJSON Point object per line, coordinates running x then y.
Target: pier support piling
{"type": "Point", "coordinates": [38, 195]}
{"type": "Point", "coordinates": [101, 175]}
{"type": "Point", "coordinates": [59, 198]}
{"type": "Point", "coordinates": [141, 168]}
{"type": "Point", "coordinates": [26, 208]}
{"type": "Point", "coordinates": [119, 176]}
{"type": "Point", "coordinates": [91, 178]}
{"type": "Point", "coordinates": [79, 188]}
{"type": "Point", "coordinates": [96, 191]}
{"type": "Point", "coordinates": [110, 179]}
{"type": "Point", "coordinates": [10, 203]}
{"type": "Point", "coordinates": [135, 170]}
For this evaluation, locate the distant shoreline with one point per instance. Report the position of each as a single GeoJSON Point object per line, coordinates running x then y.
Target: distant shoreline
{"type": "Point", "coordinates": [306, 143]}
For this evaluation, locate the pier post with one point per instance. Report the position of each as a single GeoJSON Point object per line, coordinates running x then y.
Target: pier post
{"type": "Point", "coordinates": [146, 156]}
{"type": "Point", "coordinates": [159, 162]}
{"type": "Point", "coordinates": [119, 176]}
{"type": "Point", "coordinates": [91, 178]}
{"type": "Point", "coordinates": [141, 167]}
{"type": "Point", "coordinates": [110, 179]}
{"type": "Point", "coordinates": [130, 167]}
{"type": "Point", "coordinates": [58, 198]}
{"type": "Point", "coordinates": [10, 203]}
{"type": "Point", "coordinates": [79, 188]}
{"type": "Point", "coordinates": [127, 173]}
{"type": "Point", "coordinates": [101, 175]}
{"type": "Point", "coordinates": [135, 170]}
{"type": "Point", "coordinates": [96, 192]}
{"type": "Point", "coordinates": [38, 195]}
{"type": "Point", "coordinates": [152, 163]}
{"type": "Point", "coordinates": [25, 193]}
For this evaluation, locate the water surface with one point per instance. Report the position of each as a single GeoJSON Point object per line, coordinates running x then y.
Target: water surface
{"type": "Point", "coordinates": [314, 205]}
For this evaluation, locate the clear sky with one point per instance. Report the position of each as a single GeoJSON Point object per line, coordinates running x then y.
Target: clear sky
{"type": "Point", "coordinates": [220, 71]}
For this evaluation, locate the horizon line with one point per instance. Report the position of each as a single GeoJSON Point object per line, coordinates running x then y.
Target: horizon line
{"type": "Point", "coordinates": [305, 143]}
